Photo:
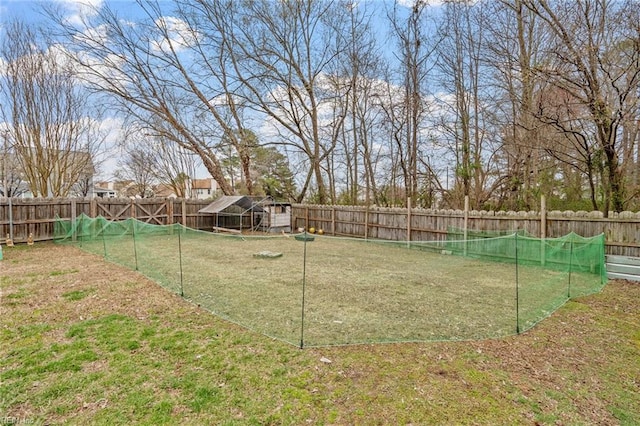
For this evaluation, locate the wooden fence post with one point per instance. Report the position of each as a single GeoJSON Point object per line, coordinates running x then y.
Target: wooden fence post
{"type": "Point", "coordinates": [93, 211]}
{"type": "Point", "coordinates": [169, 208]}
{"type": "Point", "coordinates": [543, 217]}
{"type": "Point", "coordinates": [333, 220]}
{"type": "Point", "coordinates": [306, 219]}
{"type": "Point", "coordinates": [73, 220]}
{"type": "Point", "coordinates": [366, 222]}
{"type": "Point", "coordinates": [184, 212]}
{"type": "Point", "coordinates": [10, 219]}
{"type": "Point", "coordinates": [32, 214]}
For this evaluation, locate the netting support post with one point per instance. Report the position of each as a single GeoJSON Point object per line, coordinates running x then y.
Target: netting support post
{"type": "Point", "coordinates": [466, 223]}
{"type": "Point", "coordinates": [570, 266]}
{"type": "Point", "coordinates": [180, 255]}
{"type": "Point", "coordinates": [304, 280]}
{"type": "Point", "coordinates": [408, 222]}
{"type": "Point", "coordinates": [133, 233]}
{"type": "Point", "coordinates": [603, 272]}
{"type": "Point", "coordinates": [517, 287]}
{"type": "Point", "coordinates": [543, 229]}
{"type": "Point", "coordinates": [104, 242]}
{"type": "Point", "coordinates": [184, 213]}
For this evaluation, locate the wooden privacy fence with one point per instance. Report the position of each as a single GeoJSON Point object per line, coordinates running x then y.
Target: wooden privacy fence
{"type": "Point", "coordinates": [622, 230]}
{"type": "Point", "coordinates": [37, 217]}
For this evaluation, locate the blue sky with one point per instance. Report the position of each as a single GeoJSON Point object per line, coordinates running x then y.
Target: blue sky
{"type": "Point", "coordinates": [28, 10]}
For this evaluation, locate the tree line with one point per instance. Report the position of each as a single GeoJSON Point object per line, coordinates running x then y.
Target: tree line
{"type": "Point", "coordinates": [371, 102]}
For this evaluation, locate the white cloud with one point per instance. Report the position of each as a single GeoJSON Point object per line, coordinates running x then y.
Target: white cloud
{"type": "Point", "coordinates": [79, 10]}
{"type": "Point", "coordinates": [411, 3]}
{"type": "Point", "coordinates": [178, 32]}
{"type": "Point", "coordinates": [111, 128]}
{"type": "Point", "coordinates": [97, 35]}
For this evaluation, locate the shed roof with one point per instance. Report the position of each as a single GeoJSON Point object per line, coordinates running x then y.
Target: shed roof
{"type": "Point", "coordinates": [227, 201]}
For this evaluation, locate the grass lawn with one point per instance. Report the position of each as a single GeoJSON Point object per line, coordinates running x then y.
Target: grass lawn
{"type": "Point", "coordinates": [85, 341]}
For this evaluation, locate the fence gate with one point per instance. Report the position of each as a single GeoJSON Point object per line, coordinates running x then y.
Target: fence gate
{"type": "Point", "coordinates": [112, 211]}
{"type": "Point", "coordinates": [150, 211]}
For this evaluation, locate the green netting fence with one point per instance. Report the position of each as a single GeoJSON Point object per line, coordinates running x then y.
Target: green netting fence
{"type": "Point", "coordinates": [311, 290]}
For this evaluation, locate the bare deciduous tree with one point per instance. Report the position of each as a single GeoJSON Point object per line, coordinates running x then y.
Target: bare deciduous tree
{"type": "Point", "coordinates": [157, 73]}
{"type": "Point", "coordinates": [49, 127]}
{"type": "Point", "coordinates": [513, 40]}
{"type": "Point", "coordinates": [11, 176]}
{"type": "Point", "coordinates": [137, 170]}
{"type": "Point", "coordinates": [406, 118]}
{"type": "Point", "coordinates": [459, 60]}
{"type": "Point", "coordinates": [359, 69]}
{"type": "Point", "coordinates": [541, 94]}
{"type": "Point", "coordinates": [281, 54]}
{"type": "Point", "coordinates": [175, 167]}
{"type": "Point", "coordinates": [594, 57]}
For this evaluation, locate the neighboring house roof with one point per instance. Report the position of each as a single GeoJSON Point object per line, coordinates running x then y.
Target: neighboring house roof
{"type": "Point", "coordinates": [201, 183]}
{"type": "Point", "coordinates": [117, 185]}
{"type": "Point", "coordinates": [102, 188]}
{"type": "Point", "coordinates": [123, 185]}
{"type": "Point", "coordinates": [163, 190]}
{"type": "Point", "coordinates": [227, 201]}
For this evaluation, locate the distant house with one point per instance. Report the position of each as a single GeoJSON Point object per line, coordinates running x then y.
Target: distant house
{"type": "Point", "coordinates": [102, 192]}
{"type": "Point", "coordinates": [202, 189]}
{"type": "Point", "coordinates": [164, 191]}
{"type": "Point", "coordinates": [116, 189]}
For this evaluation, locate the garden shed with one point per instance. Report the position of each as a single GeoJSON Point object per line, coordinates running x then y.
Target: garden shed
{"type": "Point", "coordinates": [277, 216]}
{"type": "Point", "coordinates": [241, 213]}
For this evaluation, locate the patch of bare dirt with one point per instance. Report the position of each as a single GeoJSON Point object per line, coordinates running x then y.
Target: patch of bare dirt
{"type": "Point", "coordinates": [64, 269]}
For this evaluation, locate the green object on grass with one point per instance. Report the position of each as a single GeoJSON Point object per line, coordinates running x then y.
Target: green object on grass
{"type": "Point", "coordinates": [267, 254]}
{"type": "Point", "coordinates": [304, 237]}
